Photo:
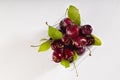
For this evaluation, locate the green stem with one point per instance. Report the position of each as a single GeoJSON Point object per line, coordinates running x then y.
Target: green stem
{"type": "Point", "coordinates": [75, 69]}
{"type": "Point", "coordinates": [43, 39]}
{"type": "Point", "coordinates": [66, 12]}
{"type": "Point", "coordinates": [35, 45]}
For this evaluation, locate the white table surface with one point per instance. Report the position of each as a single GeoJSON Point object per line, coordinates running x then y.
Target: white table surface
{"type": "Point", "coordinates": [22, 23]}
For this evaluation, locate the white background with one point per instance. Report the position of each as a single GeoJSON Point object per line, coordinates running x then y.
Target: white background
{"type": "Point", "coordinates": [22, 23]}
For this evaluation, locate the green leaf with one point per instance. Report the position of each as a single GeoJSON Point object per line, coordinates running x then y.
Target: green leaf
{"type": "Point", "coordinates": [75, 56]}
{"type": "Point", "coordinates": [73, 14]}
{"type": "Point", "coordinates": [54, 33]}
{"type": "Point", "coordinates": [97, 40]}
{"type": "Point", "coordinates": [44, 46]}
{"type": "Point", "coordinates": [65, 63]}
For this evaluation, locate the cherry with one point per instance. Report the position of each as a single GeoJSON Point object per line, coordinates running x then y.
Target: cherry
{"type": "Point", "coordinates": [79, 42]}
{"type": "Point", "coordinates": [68, 54]}
{"type": "Point", "coordinates": [72, 31]}
{"type": "Point", "coordinates": [66, 40]}
{"type": "Point", "coordinates": [90, 40]}
{"type": "Point", "coordinates": [86, 29]}
{"type": "Point", "coordinates": [57, 56]}
{"type": "Point", "coordinates": [57, 44]}
{"type": "Point", "coordinates": [80, 51]}
{"type": "Point", "coordinates": [66, 22]}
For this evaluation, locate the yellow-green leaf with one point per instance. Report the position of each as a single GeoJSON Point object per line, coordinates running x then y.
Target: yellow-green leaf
{"type": "Point", "coordinates": [54, 33]}
{"type": "Point", "coordinates": [65, 63]}
{"type": "Point", "coordinates": [74, 15]}
{"type": "Point", "coordinates": [75, 56]}
{"type": "Point", "coordinates": [44, 46]}
{"type": "Point", "coordinates": [97, 40]}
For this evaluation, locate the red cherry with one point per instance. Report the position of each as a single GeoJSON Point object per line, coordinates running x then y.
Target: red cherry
{"type": "Point", "coordinates": [80, 51]}
{"type": "Point", "coordinates": [57, 56]}
{"type": "Point", "coordinates": [86, 29]}
{"type": "Point", "coordinates": [66, 22]}
{"type": "Point", "coordinates": [72, 31]}
{"type": "Point", "coordinates": [90, 40]}
{"type": "Point", "coordinates": [66, 40]}
{"type": "Point", "coordinates": [68, 54]}
{"type": "Point", "coordinates": [57, 44]}
{"type": "Point", "coordinates": [79, 42]}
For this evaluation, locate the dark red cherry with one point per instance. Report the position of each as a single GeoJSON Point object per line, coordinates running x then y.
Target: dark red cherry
{"type": "Point", "coordinates": [72, 31]}
{"type": "Point", "coordinates": [80, 51]}
{"type": "Point", "coordinates": [86, 29]}
{"type": "Point", "coordinates": [66, 40]}
{"type": "Point", "coordinates": [57, 44]}
{"type": "Point", "coordinates": [57, 56]}
{"type": "Point", "coordinates": [79, 42]}
{"type": "Point", "coordinates": [68, 54]}
{"type": "Point", "coordinates": [66, 22]}
{"type": "Point", "coordinates": [90, 40]}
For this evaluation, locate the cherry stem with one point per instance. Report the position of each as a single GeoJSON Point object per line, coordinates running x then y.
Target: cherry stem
{"type": "Point", "coordinates": [66, 12]}
{"type": "Point", "coordinates": [75, 69]}
{"type": "Point", "coordinates": [43, 39]}
{"type": "Point", "coordinates": [35, 45]}
{"type": "Point", "coordinates": [55, 24]}
{"type": "Point", "coordinates": [89, 51]}
{"type": "Point", "coordinates": [47, 24]}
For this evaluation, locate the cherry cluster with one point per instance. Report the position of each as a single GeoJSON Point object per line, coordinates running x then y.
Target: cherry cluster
{"type": "Point", "coordinates": [75, 39]}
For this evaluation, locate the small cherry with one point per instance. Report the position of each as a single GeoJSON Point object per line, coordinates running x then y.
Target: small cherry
{"type": "Point", "coordinates": [80, 51]}
{"type": "Point", "coordinates": [90, 40]}
{"type": "Point", "coordinates": [66, 40]}
{"type": "Point", "coordinates": [56, 44]}
{"type": "Point", "coordinates": [66, 22]}
{"type": "Point", "coordinates": [68, 54]}
{"type": "Point", "coordinates": [72, 31]}
{"type": "Point", "coordinates": [57, 56]}
{"type": "Point", "coordinates": [86, 29]}
{"type": "Point", "coordinates": [79, 42]}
